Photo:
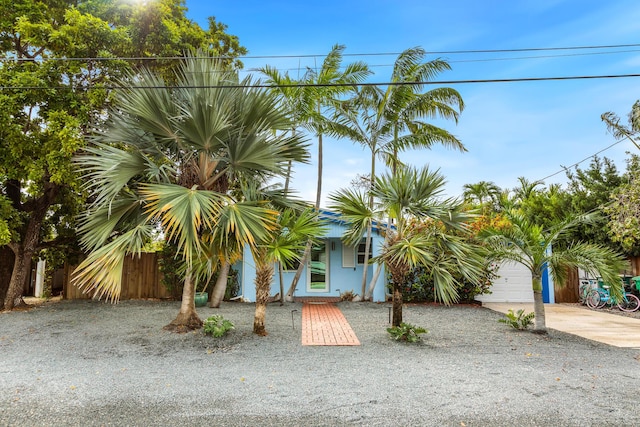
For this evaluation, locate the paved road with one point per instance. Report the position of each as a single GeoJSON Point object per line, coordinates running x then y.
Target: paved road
{"type": "Point", "coordinates": [618, 331]}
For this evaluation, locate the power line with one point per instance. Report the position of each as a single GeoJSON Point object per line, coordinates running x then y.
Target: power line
{"type": "Point", "coordinates": [565, 168]}
{"type": "Point", "coordinates": [302, 85]}
{"type": "Point", "coordinates": [513, 58]}
{"type": "Point", "coordinates": [443, 52]}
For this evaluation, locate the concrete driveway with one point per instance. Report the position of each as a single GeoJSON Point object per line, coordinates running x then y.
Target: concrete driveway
{"type": "Point", "coordinates": [618, 331]}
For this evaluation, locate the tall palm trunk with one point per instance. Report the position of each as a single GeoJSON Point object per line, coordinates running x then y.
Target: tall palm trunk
{"type": "Point", "coordinates": [281, 280]}
{"type": "Point", "coordinates": [264, 273]}
{"type": "Point", "coordinates": [372, 283]}
{"type": "Point", "coordinates": [307, 249]}
{"type": "Point", "coordinates": [187, 318]}
{"type": "Point", "coordinates": [397, 306]}
{"type": "Point", "coordinates": [217, 294]}
{"type": "Point", "coordinates": [539, 325]}
{"type": "Point", "coordinates": [367, 243]}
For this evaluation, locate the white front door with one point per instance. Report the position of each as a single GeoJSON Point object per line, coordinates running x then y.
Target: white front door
{"type": "Point", "coordinates": [318, 268]}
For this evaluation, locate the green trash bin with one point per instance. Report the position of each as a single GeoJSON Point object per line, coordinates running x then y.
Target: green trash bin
{"type": "Point", "coordinates": [636, 281]}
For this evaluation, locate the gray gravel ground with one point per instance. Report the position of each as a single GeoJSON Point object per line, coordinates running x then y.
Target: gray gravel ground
{"type": "Point", "coordinates": [86, 363]}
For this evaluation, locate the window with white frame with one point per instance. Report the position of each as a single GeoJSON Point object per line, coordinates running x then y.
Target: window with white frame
{"type": "Point", "coordinates": [361, 250]}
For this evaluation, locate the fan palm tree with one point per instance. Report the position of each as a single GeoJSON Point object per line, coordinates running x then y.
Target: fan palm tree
{"type": "Point", "coordinates": [529, 244]}
{"type": "Point", "coordinates": [428, 232]}
{"type": "Point", "coordinates": [168, 158]}
{"type": "Point", "coordinates": [392, 120]}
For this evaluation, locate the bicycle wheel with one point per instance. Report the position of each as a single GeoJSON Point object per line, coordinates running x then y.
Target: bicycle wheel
{"type": "Point", "coordinates": [630, 303]}
{"type": "Point", "coordinates": [593, 299]}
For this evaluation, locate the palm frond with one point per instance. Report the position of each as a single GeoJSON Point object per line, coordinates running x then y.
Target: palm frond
{"type": "Point", "coordinates": [101, 271]}
{"type": "Point", "coordinates": [182, 212]}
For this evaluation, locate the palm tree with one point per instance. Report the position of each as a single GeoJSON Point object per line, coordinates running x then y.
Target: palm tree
{"type": "Point", "coordinates": [482, 193]}
{"type": "Point", "coordinates": [527, 243]}
{"type": "Point", "coordinates": [392, 120]}
{"type": "Point", "coordinates": [620, 131]}
{"type": "Point", "coordinates": [322, 90]}
{"type": "Point", "coordinates": [168, 158]}
{"type": "Point", "coordinates": [283, 245]}
{"type": "Point", "coordinates": [428, 232]}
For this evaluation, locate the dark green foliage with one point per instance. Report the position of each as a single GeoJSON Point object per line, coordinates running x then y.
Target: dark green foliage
{"type": "Point", "coordinates": [170, 267]}
{"type": "Point", "coordinates": [233, 285]}
{"type": "Point", "coordinates": [420, 288]}
{"type": "Point", "coordinates": [406, 332]}
{"type": "Point", "coordinates": [217, 326]}
{"type": "Point", "coordinates": [591, 189]}
{"type": "Point", "coordinates": [518, 320]}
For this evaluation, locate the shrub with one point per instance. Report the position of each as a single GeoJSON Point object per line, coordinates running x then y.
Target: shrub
{"type": "Point", "coordinates": [518, 320]}
{"type": "Point", "coordinates": [233, 285]}
{"type": "Point", "coordinates": [406, 332]}
{"type": "Point", "coordinates": [217, 326]}
{"type": "Point", "coordinates": [347, 296]}
{"type": "Point", "coordinates": [420, 288]}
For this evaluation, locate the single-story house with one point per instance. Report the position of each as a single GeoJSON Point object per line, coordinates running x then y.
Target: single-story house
{"type": "Point", "coordinates": [333, 268]}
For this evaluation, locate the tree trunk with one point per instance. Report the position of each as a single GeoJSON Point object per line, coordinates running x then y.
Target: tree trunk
{"type": "Point", "coordinates": [21, 266]}
{"type": "Point", "coordinates": [319, 187]}
{"type": "Point", "coordinates": [397, 306]}
{"type": "Point", "coordinates": [264, 273]}
{"type": "Point", "coordinates": [296, 277]}
{"type": "Point", "coordinates": [365, 267]}
{"type": "Point", "coordinates": [187, 319]}
{"type": "Point", "coordinates": [373, 282]}
{"type": "Point", "coordinates": [219, 289]}
{"type": "Point", "coordinates": [281, 277]}
{"type": "Point", "coordinates": [540, 325]}
{"type": "Point", "coordinates": [25, 249]}
{"type": "Point", "coordinates": [6, 267]}
{"type": "Point", "coordinates": [367, 244]}
{"type": "Point", "coordinates": [307, 249]}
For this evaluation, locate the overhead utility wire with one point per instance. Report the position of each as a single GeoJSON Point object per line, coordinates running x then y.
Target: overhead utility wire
{"type": "Point", "coordinates": [444, 52]}
{"type": "Point", "coordinates": [294, 85]}
{"type": "Point", "coordinates": [566, 168]}
{"type": "Point", "coordinates": [513, 58]}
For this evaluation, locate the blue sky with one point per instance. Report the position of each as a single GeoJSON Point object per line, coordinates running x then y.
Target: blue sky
{"type": "Point", "coordinates": [528, 129]}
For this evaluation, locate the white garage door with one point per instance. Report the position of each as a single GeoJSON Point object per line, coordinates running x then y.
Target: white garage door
{"type": "Point", "coordinates": [512, 285]}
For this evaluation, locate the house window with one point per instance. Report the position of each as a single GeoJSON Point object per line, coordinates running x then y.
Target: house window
{"type": "Point", "coordinates": [361, 251]}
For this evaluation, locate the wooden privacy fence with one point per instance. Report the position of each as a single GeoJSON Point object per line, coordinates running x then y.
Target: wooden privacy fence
{"type": "Point", "coordinates": [141, 279]}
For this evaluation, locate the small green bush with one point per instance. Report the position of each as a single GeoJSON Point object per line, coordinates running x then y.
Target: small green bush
{"type": "Point", "coordinates": [518, 320]}
{"type": "Point", "coordinates": [406, 332]}
{"type": "Point", "coordinates": [217, 326]}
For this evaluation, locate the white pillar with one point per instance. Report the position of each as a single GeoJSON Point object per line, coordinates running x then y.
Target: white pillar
{"type": "Point", "coordinates": [39, 278]}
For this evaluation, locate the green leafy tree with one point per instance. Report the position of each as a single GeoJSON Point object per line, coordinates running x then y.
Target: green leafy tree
{"type": "Point", "coordinates": [590, 190]}
{"type": "Point", "coordinates": [530, 244]}
{"type": "Point", "coordinates": [55, 76]}
{"type": "Point", "coordinates": [623, 210]}
{"type": "Point", "coordinates": [172, 158]}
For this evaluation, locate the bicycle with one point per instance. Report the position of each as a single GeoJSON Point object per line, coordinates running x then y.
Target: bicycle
{"type": "Point", "coordinates": [586, 289]}
{"type": "Point", "coordinates": [601, 297]}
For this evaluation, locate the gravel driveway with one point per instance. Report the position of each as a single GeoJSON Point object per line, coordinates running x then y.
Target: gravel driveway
{"type": "Point", "coordinates": [87, 363]}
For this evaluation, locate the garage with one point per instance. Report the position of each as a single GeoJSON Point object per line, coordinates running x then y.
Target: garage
{"type": "Point", "coordinates": [512, 285]}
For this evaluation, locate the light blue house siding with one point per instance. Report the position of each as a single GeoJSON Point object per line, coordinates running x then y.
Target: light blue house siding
{"type": "Point", "coordinates": [334, 268]}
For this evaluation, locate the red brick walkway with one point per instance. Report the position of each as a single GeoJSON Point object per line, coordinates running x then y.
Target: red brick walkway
{"type": "Point", "coordinates": [324, 324]}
